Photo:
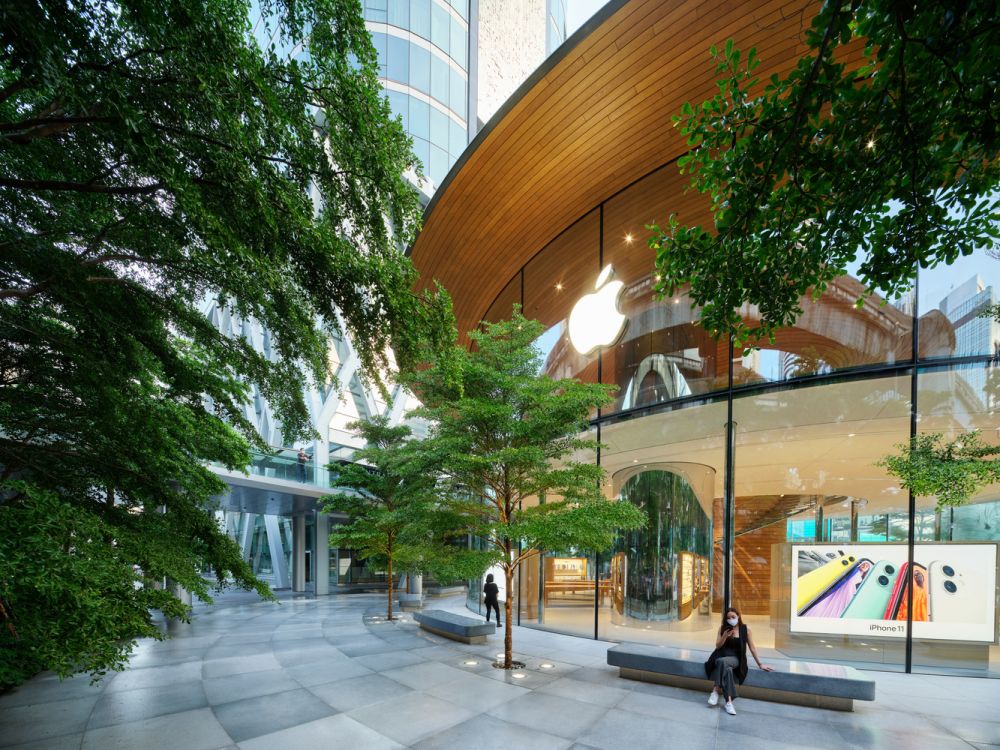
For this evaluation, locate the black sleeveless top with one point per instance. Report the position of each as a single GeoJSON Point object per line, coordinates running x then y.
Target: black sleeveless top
{"type": "Point", "coordinates": [732, 647]}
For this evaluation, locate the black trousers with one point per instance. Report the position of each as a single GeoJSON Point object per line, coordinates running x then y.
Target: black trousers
{"type": "Point", "coordinates": [723, 676]}
{"type": "Point", "coordinates": [492, 605]}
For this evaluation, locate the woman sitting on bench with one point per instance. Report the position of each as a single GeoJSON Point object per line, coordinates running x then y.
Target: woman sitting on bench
{"type": "Point", "coordinates": [728, 663]}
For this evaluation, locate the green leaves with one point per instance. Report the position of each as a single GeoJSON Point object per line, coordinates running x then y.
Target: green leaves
{"type": "Point", "coordinates": [154, 159]}
{"type": "Point", "coordinates": [505, 435]}
{"type": "Point", "coordinates": [893, 163]}
{"type": "Point", "coordinates": [505, 441]}
{"type": "Point", "coordinates": [952, 472]}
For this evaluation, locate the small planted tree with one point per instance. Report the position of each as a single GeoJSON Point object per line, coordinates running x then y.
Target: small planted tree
{"type": "Point", "coordinates": [504, 436]}
{"type": "Point", "coordinates": [391, 506]}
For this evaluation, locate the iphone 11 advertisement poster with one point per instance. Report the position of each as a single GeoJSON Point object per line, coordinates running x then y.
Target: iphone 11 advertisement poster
{"type": "Point", "coordinates": [864, 589]}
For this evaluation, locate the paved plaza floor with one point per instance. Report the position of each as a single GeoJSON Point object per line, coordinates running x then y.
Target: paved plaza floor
{"type": "Point", "coordinates": [324, 673]}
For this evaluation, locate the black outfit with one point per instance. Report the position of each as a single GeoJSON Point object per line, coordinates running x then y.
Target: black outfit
{"type": "Point", "coordinates": [729, 662]}
{"type": "Point", "coordinates": [491, 591]}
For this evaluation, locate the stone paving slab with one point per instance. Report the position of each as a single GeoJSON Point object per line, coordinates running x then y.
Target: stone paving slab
{"type": "Point", "coordinates": [320, 673]}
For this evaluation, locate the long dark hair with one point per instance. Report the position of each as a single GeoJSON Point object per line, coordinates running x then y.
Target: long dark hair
{"type": "Point", "coordinates": [725, 625]}
{"type": "Point", "coordinates": [489, 578]}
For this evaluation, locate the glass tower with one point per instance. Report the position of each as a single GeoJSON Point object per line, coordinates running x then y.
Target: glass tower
{"type": "Point", "coordinates": [424, 52]}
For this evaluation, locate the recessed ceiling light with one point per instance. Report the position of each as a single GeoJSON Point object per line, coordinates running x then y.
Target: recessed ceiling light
{"type": "Point", "coordinates": [628, 238]}
{"type": "Point", "coordinates": [546, 665]}
{"type": "Point", "coordinates": [470, 662]}
{"type": "Point", "coordinates": [518, 676]}
{"type": "Point", "coordinates": [559, 287]}
{"type": "Point", "coordinates": [852, 434]}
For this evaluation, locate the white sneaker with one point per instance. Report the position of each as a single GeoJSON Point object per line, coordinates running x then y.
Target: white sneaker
{"type": "Point", "coordinates": [713, 699]}
{"type": "Point", "coordinates": [729, 708]}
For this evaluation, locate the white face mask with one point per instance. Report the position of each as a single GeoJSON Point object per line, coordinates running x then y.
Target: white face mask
{"type": "Point", "coordinates": [734, 621]}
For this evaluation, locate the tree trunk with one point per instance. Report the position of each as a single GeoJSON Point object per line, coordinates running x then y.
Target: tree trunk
{"type": "Point", "coordinates": [508, 607]}
{"type": "Point", "coordinates": [389, 576]}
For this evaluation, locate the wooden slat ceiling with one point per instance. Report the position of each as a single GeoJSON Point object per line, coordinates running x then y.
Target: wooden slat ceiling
{"type": "Point", "coordinates": [594, 119]}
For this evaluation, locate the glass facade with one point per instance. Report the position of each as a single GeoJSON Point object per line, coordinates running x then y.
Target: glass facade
{"type": "Point", "coordinates": [423, 53]}
{"type": "Point", "coordinates": [758, 470]}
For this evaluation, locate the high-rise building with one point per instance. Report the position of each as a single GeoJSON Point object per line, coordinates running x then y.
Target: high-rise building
{"type": "Point", "coordinates": [448, 65]}
{"type": "Point", "coordinates": [435, 79]}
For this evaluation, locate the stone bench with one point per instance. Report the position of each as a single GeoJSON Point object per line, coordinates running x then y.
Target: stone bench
{"type": "Point", "coordinates": [455, 626]}
{"type": "Point", "coordinates": [800, 682]}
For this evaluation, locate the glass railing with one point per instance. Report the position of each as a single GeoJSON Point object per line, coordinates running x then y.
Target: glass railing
{"type": "Point", "coordinates": [284, 464]}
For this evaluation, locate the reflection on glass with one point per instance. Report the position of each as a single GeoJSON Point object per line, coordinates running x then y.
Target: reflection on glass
{"type": "Point", "coordinates": [420, 68]}
{"type": "Point", "coordinates": [805, 472]}
{"type": "Point", "coordinates": [399, 59]}
{"type": "Point", "coordinates": [955, 298]}
{"type": "Point", "coordinates": [954, 401]}
{"type": "Point", "coordinates": [420, 17]}
{"type": "Point", "coordinates": [439, 79]}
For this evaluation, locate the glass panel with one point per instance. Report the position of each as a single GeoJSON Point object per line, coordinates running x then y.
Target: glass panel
{"type": "Point", "coordinates": [379, 40]}
{"type": "Point", "coordinates": [663, 353]}
{"type": "Point", "coordinates": [457, 139]}
{"type": "Point", "coordinates": [462, 6]}
{"type": "Point", "coordinates": [399, 59]}
{"type": "Point", "coordinates": [832, 334]}
{"type": "Point", "coordinates": [375, 10]}
{"type": "Point", "coordinates": [439, 128]}
{"type": "Point", "coordinates": [952, 301]}
{"type": "Point", "coordinates": [420, 68]}
{"type": "Point", "coordinates": [954, 629]}
{"type": "Point", "coordinates": [562, 273]}
{"type": "Point", "coordinates": [459, 46]}
{"type": "Point", "coordinates": [420, 18]}
{"type": "Point", "coordinates": [420, 117]}
{"type": "Point", "coordinates": [399, 13]}
{"type": "Point", "coordinates": [658, 581]}
{"type": "Point", "coordinates": [438, 165]}
{"type": "Point", "coordinates": [815, 519]}
{"type": "Point", "coordinates": [458, 99]}
{"type": "Point", "coordinates": [400, 104]}
{"type": "Point", "coordinates": [440, 27]}
{"type": "Point", "coordinates": [557, 590]}
{"type": "Point", "coordinates": [439, 79]}
{"type": "Point", "coordinates": [505, 301]}
{"type": "Point", "coordinates": [422, 150]}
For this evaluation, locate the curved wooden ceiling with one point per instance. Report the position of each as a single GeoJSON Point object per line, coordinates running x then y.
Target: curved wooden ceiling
{"type": "Point", "coordinates": [593, 119]}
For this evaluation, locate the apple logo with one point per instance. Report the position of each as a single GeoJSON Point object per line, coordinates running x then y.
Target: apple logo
{"type": "Point", "coordinates": [595, 320]}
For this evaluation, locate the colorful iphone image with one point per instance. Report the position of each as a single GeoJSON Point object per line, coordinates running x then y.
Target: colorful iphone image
{"type": "Point", "coordinates": [813, 585]}
{"type": "Point", "coordinates": [898, 593]}
{"type": "Point", "coordinates": [874, 593]}
{"type": "Point", "coordinates": [837, 597]}
{"type": "Point", "coordinates": [952, 599]}
{"type": "Point", "coordinates": [897, 608]}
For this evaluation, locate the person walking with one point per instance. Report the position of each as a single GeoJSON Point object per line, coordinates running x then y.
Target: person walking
{"type": "Point", "coordinates": [727, 665]}
{"type": "Point", "coordinates": [491, 593]}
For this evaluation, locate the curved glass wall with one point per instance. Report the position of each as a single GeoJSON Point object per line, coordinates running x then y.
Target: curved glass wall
{"type": "Point", "coordinates": [423, 54]}
{"type": "Point", "coordinates": [660, 574]}
{"type": "Point", "coordinates": [759, 470]}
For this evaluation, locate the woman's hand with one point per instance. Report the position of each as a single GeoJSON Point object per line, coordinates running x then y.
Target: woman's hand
{"type": "Point", "coordinates": [766, 668]}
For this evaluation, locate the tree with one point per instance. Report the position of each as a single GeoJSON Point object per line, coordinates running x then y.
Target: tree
{"type": "Point", "coordinates": [152, 156]}
{"type": "Point", "coordinates": [952, 472]}
{"type": "Point", "coordinates": [502, 436]}
{"type": "Point", "coordinates": [893, 163]}
{"type": "Point", "coordinates": [394, 522]}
